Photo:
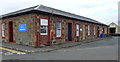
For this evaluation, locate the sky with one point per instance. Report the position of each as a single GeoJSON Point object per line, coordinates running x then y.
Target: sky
{"type": "Point", "coordinates": [105, 11]}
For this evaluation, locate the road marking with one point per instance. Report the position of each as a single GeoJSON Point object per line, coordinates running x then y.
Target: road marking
{"type": "Point", "coordinates": [12, 50]}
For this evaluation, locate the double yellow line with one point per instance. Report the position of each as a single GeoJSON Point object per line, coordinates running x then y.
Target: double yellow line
{"type": "Point", "coordinates": [12, 50]}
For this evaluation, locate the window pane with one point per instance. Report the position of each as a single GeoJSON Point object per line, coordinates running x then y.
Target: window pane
{"type": "Point", "coordinates": [58, 25]}
{"type": "Point", "coordinates": [77, 30]}
{"type": "Point", "coordinates": [105, 30]}
{"type": "Point", "coordinates": [44, 22]}
{"type": "Point", "coordinates": [77, 27]}
{"type": "Point", "coordinates": [44, 30]}
{"type": "Point", "coordinates": [2, 26]}
{"type": "Point", "coordinates": [88, 27]}
{"type": "Point", "coordinates": [58, 30]}
{"type": "Point", "coordinates": [77, 33]}
{"type": "Point", "coordinates": [88, 30]}
{"type": "Point", "coordinates": [3, 33]}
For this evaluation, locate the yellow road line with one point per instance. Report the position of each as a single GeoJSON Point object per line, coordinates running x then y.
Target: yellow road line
{"type": "Point", "coordinates": [12, 50]}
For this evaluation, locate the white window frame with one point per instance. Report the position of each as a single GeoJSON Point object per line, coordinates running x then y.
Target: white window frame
{"type": "Point", "coordinates": [44, 23]}
{"type": "Point", "coordinates": [88, 29]}
{"type": "Point", "coordinates": [77, 29]}
{"type": "Point", "coordinates": [3, 30]}
{"type": "Point", "coordinates": [58, 29]}
{"type": "Point", "coordinates": [94, 30]}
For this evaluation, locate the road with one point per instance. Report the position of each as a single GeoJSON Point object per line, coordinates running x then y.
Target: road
{"type": "Point", "coordinates": [100, 50]}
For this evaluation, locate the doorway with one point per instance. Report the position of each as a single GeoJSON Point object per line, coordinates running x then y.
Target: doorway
{"type": "Point", "coordinates": [44, 32]}
{"type": "Point", "coordinates": [98, 32]}
{"type": "Point", "coordinates": [69, 31]}
{"type": "Point", "coordinates": [11, 31]}
{"type": "Point", "coordinates": [112, 30]}
{"type": "Point", "coordinates": [103, 30]}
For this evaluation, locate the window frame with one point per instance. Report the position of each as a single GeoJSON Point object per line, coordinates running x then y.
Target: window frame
{"type": "Point", "coordinates": [88, 30]}
{"type": "Point", "coordinates": [45, 26]}
{"type": "Point", "coordinates": [77, 30]}
{"type": "Point", "coordinates": [58, 37]}
{"type": "Point", "coordinates": [2, 30]}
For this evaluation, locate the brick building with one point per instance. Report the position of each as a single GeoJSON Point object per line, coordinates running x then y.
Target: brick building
{"type": "Point", "coordinates": [41, 25]}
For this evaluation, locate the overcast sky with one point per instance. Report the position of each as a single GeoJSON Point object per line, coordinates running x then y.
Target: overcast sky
{"type": "Point", "coordinates": [105, 11]}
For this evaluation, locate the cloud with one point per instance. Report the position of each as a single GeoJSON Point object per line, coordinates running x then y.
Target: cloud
{"type": "Point", "coordinates": [101, 10]}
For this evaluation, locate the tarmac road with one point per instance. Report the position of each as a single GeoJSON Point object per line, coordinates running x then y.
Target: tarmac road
{"type": "Point", "coordinates": [100, 50]}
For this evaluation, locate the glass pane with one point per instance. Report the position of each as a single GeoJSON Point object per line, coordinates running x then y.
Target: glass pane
{"type": "Point", "coordinates": [58, 30]}
{"type": "Point", "coordinates": [88, 32]}
{"type": "Point", "coordinates": [3, 33]}
{"type": "Point", "coordinates": [77, 33]}
{"type": "Point", "coordinates": [44, 22]}
{"type": "Point", "coordinates": [77, 30]}
{"type": "Point", "coordinates": [58, 25]}
{"type": "Point", "coordinates": [77, 26]}
{"type": "Point", "coordinates": [3, 26]}
{"type": "Point", "coordinates": [43, 29]}
{"type": "Point", "coordinates": [88, 27]}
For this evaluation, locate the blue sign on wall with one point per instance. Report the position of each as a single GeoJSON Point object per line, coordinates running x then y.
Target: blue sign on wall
{"type": "Point", "coordinates": [22, 27]}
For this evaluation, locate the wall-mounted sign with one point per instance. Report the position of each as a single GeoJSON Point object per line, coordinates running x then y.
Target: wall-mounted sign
{"type": "Point", "coordinates": [22, 27]}
{"type": "Point", "coordinates": [44, 21]}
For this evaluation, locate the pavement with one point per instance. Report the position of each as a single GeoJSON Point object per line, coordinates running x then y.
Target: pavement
{"type": "Point", "coordinates": [29, 49]}
{"type": "Point", "coordinates": [106, 49]}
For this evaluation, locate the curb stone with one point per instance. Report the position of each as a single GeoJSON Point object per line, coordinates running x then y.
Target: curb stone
{"type": "Point", "coordinates": [48, 50]}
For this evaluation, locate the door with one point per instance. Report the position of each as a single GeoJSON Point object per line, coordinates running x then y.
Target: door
{"type": "Point", "coordinates": [83, 32]}
{"type": "Point", "coordinates": [44, 37]}
{"type": "Point", "coordinates": [98, 32]}
{"type": "Point", "coordinates": [11, 31]}
{"type": "Point", "coordinates": [69, 31]}
{"type": "Point", "coordinates": [103, 30]}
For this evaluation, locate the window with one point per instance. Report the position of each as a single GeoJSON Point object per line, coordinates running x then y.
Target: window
{"type": "Point", "coordinates": [58, 29]}
{"type": "Point", "coordinates": [100, 30]}
{"type": "Point", "coordinates": [94, 30]}
{"type": "Point", "coordinates": [88, 29]}
{"type": "Point", "coordinates": [105, 30]}
{"type": "Point", "coordinates": [3, 30]}
{"type": "Point", "coordinates": [44, 24]}
{"type": "Point", "coordinates": [77, 29]}
{"type": "Point", "coordinates": [43, 30]}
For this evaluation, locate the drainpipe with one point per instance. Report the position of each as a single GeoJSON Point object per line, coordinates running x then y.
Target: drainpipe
{"type": "Point", "coordinates": [38, 39]}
